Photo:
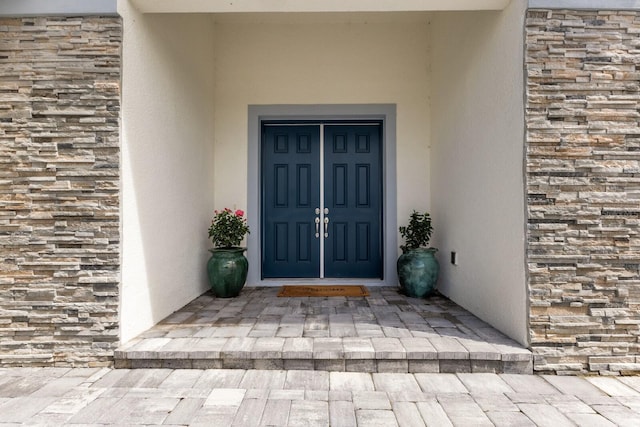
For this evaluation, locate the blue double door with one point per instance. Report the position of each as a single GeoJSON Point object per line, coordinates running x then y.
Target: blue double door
{"type": "Point", "coordinates": [322, 200]}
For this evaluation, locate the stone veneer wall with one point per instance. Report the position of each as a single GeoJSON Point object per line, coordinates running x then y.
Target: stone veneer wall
{"type": "Point", "coordinates": [59, 190]}
{"type": "Point", "coordinates": [583, 185]}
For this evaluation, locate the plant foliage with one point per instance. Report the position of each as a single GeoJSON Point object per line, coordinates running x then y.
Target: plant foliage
{"type": "Point", "coordinates": [418, 232]}
{"type": "Point", "coordinates": [228, 228]}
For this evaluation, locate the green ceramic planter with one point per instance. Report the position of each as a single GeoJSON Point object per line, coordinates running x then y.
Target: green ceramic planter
{"type": "Point", "coordinates": [227, 269]}
{"type": "Point", "coordinates": [418, 272]}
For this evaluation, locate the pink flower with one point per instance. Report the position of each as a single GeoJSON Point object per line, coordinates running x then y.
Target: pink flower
{"type": "Point", "coordinates": [216, 212]}
{"type": "Point", "coordinates": [228, 228]}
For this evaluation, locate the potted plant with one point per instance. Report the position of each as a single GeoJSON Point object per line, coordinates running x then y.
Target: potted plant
{"type": "Point", "coordinates": [417, 266]}
{"type": "Point", "coordinates": [227, 268]}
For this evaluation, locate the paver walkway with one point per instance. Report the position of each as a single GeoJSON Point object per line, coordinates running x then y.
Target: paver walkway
{"type": "Point", "coordinates": [385, 332]}
{"type": "Point", "coordinates": [61, 396]}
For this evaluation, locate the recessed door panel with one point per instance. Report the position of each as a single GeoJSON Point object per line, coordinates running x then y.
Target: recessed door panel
{"type": "Point", "coordinates": [305, 191]}
{"type": "Point", "coordinates": [304, 241]}
{"type": "Point", "coordinates": [363, 242]}
{"type": "Point", "coordinates": [340, 185]}
{"type": "Point", "coordinates": [363, 186]}
{"type": "Point", "coordinates": [281, 178]}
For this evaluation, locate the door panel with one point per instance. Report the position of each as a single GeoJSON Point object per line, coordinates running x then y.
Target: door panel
{"type": "Point", "coordinates": [291, 189]}
{"type": "Point", "coordinates": [290, 192]}
{"type": "Point", "coordinates": [353, 172]}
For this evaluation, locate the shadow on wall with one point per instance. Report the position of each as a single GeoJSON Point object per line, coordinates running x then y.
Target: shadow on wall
{"type": "Point", "coordinates": [477, 168]}
{"type": "Point", "coordinates": [167, 163]}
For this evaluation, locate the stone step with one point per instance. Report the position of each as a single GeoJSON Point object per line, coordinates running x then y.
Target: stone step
{"type": "Point", "coordinates": [385, 332]}
{"type": "Point", "coordinates": [370, 355]}
{"type": "Point", "coordinates": [336, 365]}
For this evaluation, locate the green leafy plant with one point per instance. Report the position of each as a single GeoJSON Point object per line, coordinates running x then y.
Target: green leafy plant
{"type": "Point", "coordinates": [228, 228]}
{"type": "Point", "coordinates": [418, 232]}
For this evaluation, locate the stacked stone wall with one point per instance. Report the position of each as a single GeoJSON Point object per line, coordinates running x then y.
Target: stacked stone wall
{"type": "Point", "coordinates": [583, 187]}
{"type": "Point", "coordinates": [59, 190]}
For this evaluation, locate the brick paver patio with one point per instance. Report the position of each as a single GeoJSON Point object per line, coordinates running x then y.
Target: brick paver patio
{"type": "Point", "coordinates": [385, 332]}
{"type": "Point", "coordinates": [232, 397]}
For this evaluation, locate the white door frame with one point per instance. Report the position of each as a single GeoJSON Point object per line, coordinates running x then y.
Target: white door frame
{"type": "Point", "coordinates": [385, 112]}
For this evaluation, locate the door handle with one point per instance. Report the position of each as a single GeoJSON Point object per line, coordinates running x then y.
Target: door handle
{"type": "Point", "coordinates": [317, 227]}
{"type": "Point", "coordinates": [326, 226]}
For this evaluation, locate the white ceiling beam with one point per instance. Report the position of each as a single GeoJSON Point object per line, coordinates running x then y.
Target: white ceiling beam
{"type": "Point", "coordinates": [586, 4]}
{"type": "Point", "coordinates": [230, 6]}
{"type": "Point", "coordinates": [57, 7]}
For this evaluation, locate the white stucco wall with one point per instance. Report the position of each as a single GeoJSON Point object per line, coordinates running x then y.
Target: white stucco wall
{"type": "Point", "coordinates": [322, 59]}
{"type": "Point", "coordinates": [477, 163]}
{"type": "Point", "coordinates": [167, 166]}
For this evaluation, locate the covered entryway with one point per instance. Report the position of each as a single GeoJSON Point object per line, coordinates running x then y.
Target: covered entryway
{"type": "Point", "coordinates": [321, 212]}
{"type": "Point", "coordinates": [198, 86]}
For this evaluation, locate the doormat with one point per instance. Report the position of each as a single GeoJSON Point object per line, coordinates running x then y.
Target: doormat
{"type": "Point", "coordinates": [323, 291]}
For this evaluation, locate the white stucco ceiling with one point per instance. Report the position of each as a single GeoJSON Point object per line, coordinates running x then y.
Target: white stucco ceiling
{"type": "Point", "coordinates": [221, 6]}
